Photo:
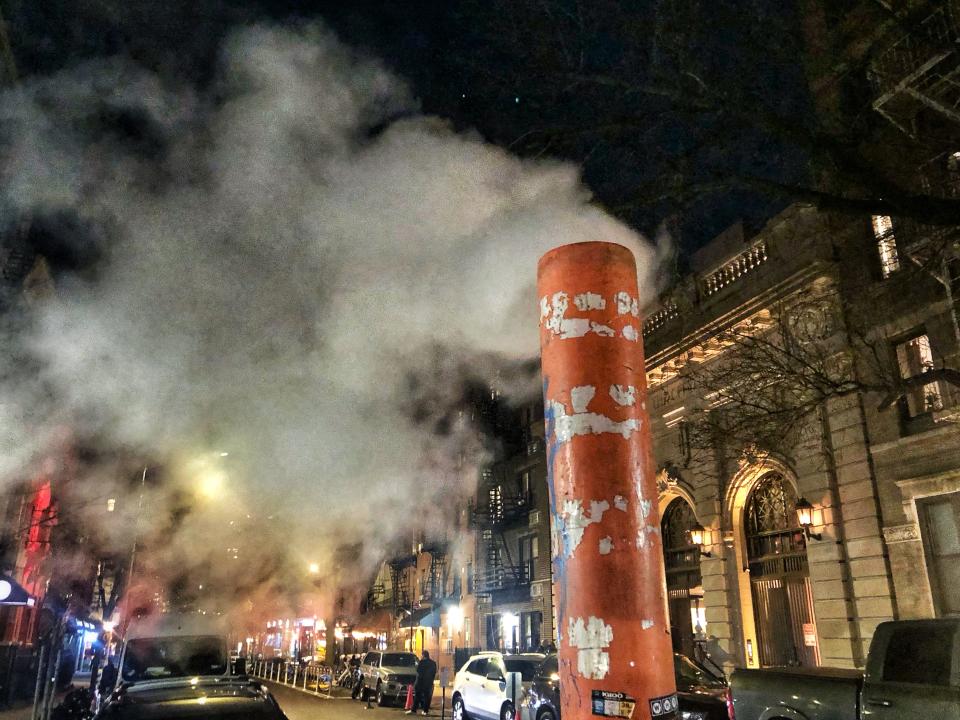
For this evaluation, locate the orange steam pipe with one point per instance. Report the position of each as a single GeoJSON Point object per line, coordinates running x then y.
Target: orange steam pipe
{"type": "Point", "coordinates": [616, 656]}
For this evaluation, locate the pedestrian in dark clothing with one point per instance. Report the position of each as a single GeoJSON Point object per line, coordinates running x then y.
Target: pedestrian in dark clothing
{"type": "Point", "coordinates": [108, 678]}
{"type": "Point", "coordinates": [423, 688]}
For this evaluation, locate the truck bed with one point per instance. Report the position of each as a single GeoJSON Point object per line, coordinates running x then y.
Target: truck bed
{"type": "Point", "coordinates": [810, 693]}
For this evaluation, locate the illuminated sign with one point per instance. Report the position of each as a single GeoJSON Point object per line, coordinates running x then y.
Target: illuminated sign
{"type": "Point", "coordinates": [12, 594]}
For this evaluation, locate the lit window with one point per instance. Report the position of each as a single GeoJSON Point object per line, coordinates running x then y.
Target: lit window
{"type": "Point", "coordinates": [495, 500]}
{"type": "Point", "coordinates": [915, 358]}
{"type": "Point", "coordinates": [886, 244]}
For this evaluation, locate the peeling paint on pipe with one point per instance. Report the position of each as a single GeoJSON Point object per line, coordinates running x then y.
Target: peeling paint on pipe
{"type": "Point", "coordinates": [608, 565]}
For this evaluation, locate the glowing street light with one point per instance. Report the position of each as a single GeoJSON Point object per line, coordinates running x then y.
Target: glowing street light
{"type": "Point", "coordinates": [314, 568]}
{"type": "Point", "coordinates": [454, 617]}
{"type": "Point", "coordinates": [210, 483]}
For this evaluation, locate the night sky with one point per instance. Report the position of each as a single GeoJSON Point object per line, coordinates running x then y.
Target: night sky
{"type": "Point", "coordinates": [492, 66]}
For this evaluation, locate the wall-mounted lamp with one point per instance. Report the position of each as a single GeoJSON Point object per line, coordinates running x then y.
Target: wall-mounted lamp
{"type": "Point", "coordinates": [697, 533]}
{"type": "Point", "coordinates": [805, 518]}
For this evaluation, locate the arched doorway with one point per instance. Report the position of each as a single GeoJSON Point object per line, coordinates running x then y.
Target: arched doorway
{"type": "Point", "coordinates": [779, 577]}
{"type": "Point", "coordinates": [684, 583]}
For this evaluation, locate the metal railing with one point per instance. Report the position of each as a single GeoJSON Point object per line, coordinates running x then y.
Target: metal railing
{"type": "Point", "coordinates": [661, 318]}
{"type": "Point", "coordinates": [311, 678]}
{"type": "Point", "coordinates": [503, 577]}
{"type": "Point", "coordinates": [734, 269]}
{"type": "Point", "coordinates": [917, 50]}
{"type": "Point", "coordinates": [507, 509]}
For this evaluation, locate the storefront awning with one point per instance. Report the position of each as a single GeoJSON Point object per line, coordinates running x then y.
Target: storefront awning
{"type": "Point", "coordinates": [375, 621]}
{"type": "Point", "coordinates": [425, 617]}
{"type": "Point", "coordinates": [12, 593]}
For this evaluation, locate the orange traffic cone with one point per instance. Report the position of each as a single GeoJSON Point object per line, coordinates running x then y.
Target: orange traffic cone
{"type": "Point", "coordinates": [409, 704]}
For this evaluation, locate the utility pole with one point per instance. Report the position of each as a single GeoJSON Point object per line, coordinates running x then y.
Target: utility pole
{"type": "Point", "coordinates": [136, 532]}
{"type": "Point", "coordinates": [615, 652]}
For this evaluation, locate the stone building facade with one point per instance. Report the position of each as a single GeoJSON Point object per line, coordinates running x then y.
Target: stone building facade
{"type": "Point", "coordinates": [875, 457]}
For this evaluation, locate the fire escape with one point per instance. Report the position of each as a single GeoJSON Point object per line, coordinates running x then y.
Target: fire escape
{"type": "Point", "coordinates": [501, 506]}
{"type": "Point", "coordinates": [399, 566]}
{"type": "Point", "coordinates": [921, 68]}
{"type": "Point", "coordinates": [919, 72]}
{"type": "Point", "coordinates": [376, 597]}
{"type": "Point", "coordinates": [434, 589]}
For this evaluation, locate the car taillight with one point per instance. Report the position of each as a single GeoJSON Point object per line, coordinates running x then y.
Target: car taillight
{"type": "Point", "coordinates": [731, 715]}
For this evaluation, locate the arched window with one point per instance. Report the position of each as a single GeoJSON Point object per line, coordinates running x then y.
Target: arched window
{"type": "Point", "coordinates": [771, 520]}
{"type": "Point", "coordinates": [678, 518]}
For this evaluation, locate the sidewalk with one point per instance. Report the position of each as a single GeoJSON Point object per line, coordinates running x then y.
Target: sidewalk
{"type": "Point", "coordinates": [24, 710]}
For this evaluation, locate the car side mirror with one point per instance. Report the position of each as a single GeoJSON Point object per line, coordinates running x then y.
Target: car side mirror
{"type": "Point", "coordinates": [495, 676]}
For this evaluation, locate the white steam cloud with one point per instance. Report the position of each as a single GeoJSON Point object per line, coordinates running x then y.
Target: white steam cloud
{"type": "Point", "coordinates": [289, 273]}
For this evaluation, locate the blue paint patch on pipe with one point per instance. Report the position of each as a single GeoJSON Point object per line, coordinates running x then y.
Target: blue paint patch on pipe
{"type": "Point", "coordinates": [559, 559]}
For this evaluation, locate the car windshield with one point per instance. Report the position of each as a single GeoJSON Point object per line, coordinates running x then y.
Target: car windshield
{"type": "Point", "coordinates": [526, 668]}
{"type": "Point", "coordinates": [399, 660]}
{"type": "Point", "coordinates": [549, 666]}
{"type": "Point", "coordinates": [154, 658]}
{"type": "Point", "coordinates": [690, 673]}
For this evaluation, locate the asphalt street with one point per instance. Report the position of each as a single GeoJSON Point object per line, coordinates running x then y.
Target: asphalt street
{"type": "Point", "coordinates": [298, 705]}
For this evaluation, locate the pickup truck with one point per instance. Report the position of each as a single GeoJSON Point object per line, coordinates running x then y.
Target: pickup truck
{"type": "Point", "coordinates": [912, 672]}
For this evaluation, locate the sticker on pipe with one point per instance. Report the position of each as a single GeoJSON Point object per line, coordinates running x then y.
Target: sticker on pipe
{"type": "Point", "coordinates": [612, 704]}
{"type": "Point", "coordinates": [664, 706]}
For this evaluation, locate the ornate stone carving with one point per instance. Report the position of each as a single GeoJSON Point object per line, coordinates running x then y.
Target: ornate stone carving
{"type": "Point", "coordinates": [811, 321]}
{"type": "Point", "coordinates": [667, 477]}
{"type": "Point", "coordinates": [901, 533]}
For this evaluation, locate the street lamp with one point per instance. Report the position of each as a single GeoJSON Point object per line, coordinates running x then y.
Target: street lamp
{"type": "Point", "coordinates": [805, 518]}
{"type": "Point", "coordinates": [697, 533]}
{"type": "Point", "coordinates": [314, 568]}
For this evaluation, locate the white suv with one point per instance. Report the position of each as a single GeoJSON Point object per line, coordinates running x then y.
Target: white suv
{"type": "Point", "coordinates": [480, 688]}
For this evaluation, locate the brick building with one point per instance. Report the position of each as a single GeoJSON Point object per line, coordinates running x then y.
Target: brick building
{"type": "Point", "coordinates": [511, 518]}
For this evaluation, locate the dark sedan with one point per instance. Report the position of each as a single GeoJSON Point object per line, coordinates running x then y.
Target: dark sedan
{"type": "Point", "coordinates": [209, 699]}
{"type": "Point", "coordinates": [702, 695]}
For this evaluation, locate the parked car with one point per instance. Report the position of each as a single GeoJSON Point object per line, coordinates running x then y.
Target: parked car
{"type": "Point", "coordinates": [387, 675]}
{"type": "Point", "coordinates": [912, 672]}
{"type": "Point", "coordinates": [210, 698]}
{"type": "Point", "coordinates": [702, 695]}
{"type": "Point", "coordinates": [480, 688]}
{"type": "Point", "coordinates": [177, 666]}
{"type": "Point", "coordinates": [173, 648]}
